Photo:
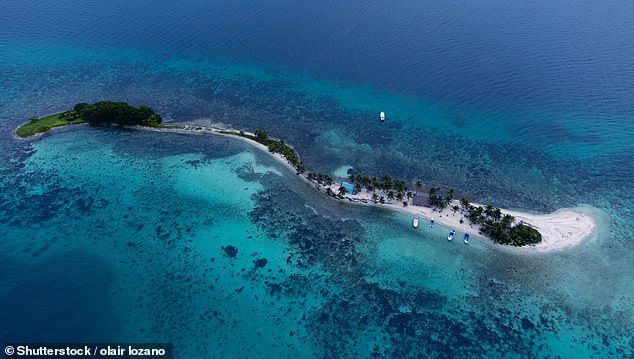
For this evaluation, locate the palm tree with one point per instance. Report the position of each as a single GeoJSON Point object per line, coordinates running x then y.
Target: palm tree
{"type": "Point", "coordinates": [399, 186]}
{"type": "Point", "coordinates": [342, 191]}
{"type": "Point", "coordinates": [497, 214]}
{"type": "Point", "coordinates": [387, 182]}
{"type": "Point", "coordinates": [464, 202]}
{"type": "Point", "coordinates": [488, 210]}
{"type": "Point", "coordinates": [390, 195]}
{"type": "Point", "coordinates": [261, 136]}
{"type": "Point", "coordinates": [418, 185]}
{"type": "Point", "coordinates": [375, 197]}
{"type": "Point", "coordinates": [450, 194]}
{"type": "Point", "coordinates": [455, 209]}
{"type": "Point", "coordinates": [366, 180]}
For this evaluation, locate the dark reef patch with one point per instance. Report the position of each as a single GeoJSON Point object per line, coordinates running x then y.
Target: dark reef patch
{"type": "Point", "coordinates": [261, 262]}
{"type": "Point", "coordinates": [230, 251]}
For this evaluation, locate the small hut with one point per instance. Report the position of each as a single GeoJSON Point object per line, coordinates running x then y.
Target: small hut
{"type": "Point", "coordinates": [420, 199]}
{"type": "Point", "coordinates": [348, 186]}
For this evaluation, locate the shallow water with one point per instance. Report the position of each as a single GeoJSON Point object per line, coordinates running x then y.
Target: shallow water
{"type": "Point", "coordinates": [127, 228]}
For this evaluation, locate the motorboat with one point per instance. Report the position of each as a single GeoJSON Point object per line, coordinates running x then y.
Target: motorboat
{"type": "Point", "coordinates": [466, 238]}
{"type": "Point", "coordinates": [382, 115]}
{"type": "Point", "coordinates": [451, 235]}
{"type": "Point", "coordinates": [415, 222]}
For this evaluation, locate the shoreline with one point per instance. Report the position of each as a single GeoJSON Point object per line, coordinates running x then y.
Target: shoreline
{"type": "Point", "coordinates": [561, 229]}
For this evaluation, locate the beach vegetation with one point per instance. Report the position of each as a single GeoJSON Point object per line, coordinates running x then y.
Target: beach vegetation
{"type": "Point", "coordinates": [261, 136]}
{"type": "Point", "coordinates": [502, 229]}
{"type": "Point", "coordinates": [464, 203]}
{"type": "Point", "coordinates": [38, 125]}
{"type": "Point", "coordinates": [119, 113]}
{"type": "Point", "coordinates": [450, 195]}
{"type": "Point", "coordinates": [277, 146]}
{"type": "Point", "coordinates": [99, 113]}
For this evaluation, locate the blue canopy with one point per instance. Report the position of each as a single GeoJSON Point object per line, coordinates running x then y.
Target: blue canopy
{"type": "Point", "coordinates": [348, 186]}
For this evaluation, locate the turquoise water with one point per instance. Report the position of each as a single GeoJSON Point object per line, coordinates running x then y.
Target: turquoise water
{"type": "Point", "coordinates": [128, 229]}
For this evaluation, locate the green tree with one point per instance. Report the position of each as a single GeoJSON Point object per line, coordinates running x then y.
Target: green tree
{"type": "Point", "coordinates": [496, 214]}
{"type": "Point", "coordinates": [455, 209]}
{"type": "Point", "coordinates": [450, 195]}
{"type": "Point", "coordinates": [386, 182]}
{"type": "Point", "coordinates": [465, 203]}
{"type": "Point", "coordinates": [80, 106]}
{"type": "Point", "coordinates": [261, 136]}
{"type": "Point", "coordinates": [120, 113]}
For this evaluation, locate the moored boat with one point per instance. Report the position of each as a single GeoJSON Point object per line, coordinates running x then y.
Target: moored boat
{"type": "Point", "coordinates": [382, 115]}
{"type": "Point", "coordinates": [415, 222]}
{"type": "Point", "coordinates": [466, 238]}
{"type": "Point", "coordinates": [451, 235]}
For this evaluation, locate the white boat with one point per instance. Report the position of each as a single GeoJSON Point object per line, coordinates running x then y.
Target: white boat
{"type": "Point", "coordinates": [415, 222]}
{"type": "Point", "coordinates": [382, 115]}
{"type": "Point", "coordinates": [451, 235]}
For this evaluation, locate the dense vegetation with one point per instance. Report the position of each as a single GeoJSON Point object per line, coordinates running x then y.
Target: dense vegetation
{"type": "Point", "coordinates": [388, 188]}
{"type": "Point", "coordinates": [437, 200]}
{"type": "Point", "coordinates": [37, 125]}
{"type": "Point", "coordinates": [120, 113]}
{"type": "Point", "coordinates": [99, 113]}
{"type": "Point", "coordinates": [501, 228]}
{"type": "Point", "coordinates": [274, 146]}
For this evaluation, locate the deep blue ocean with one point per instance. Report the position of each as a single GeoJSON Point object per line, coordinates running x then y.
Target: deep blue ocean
{"type": "Point", "coordinates": [110, 235]}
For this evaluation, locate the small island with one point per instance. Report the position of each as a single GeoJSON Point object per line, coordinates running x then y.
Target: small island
{"type": "Point", "coordinates": [554, 231]}
{"type": "Point", "coordinates": [99, 113]}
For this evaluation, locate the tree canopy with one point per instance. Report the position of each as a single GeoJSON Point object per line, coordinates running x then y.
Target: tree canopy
{"type": "Point", "coordinates": [121, 113]}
